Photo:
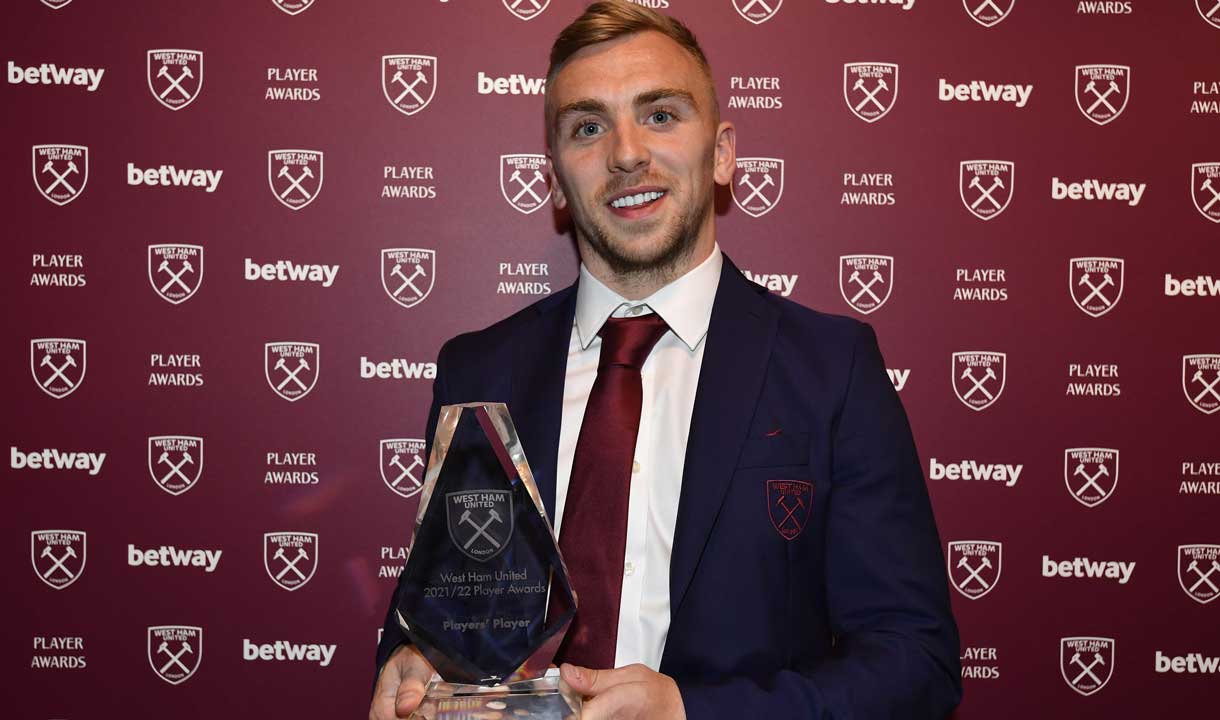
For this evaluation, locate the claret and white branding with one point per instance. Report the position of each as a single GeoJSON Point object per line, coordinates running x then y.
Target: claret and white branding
{"type": "Point", "coordinates": [1004, 473]}
{"type": "Point", "coordinates": [980, 663]}
{"type": "Point", "coordinates": [292, 7]}
{"type": "Point", "coordinates": [1094, 189]}
{"type": "Point", "coordinates": [175, 651]}
{"type": "Point", "coordinates": [175, 370]}
{"type": "Point", "coordinates": [866, 281]}
{"type": "Point", "coordinates": [865, 188]}
{"type": "Point", "coordinates": [983, 91]}
{"type": "Point", "coordinates": [985, 186]}
{"type": "Point", "coordinates": [168, 455]}
{"type": "Point", "coordinates": [55, 459]}
{"type": "Point", "coordinates": [1191, 663]}
{"type": "Point", "coordinates": [291, 368]}
{"type": "Point", "coordinates": [408, 182]}
{"type": "Point", "coordinates": [293, 84]}
{"type": "Point", "coordinates": [1206, 94]}
{"type": "Point", "coordinates": [290, 271]}
{"type": "Point", "coordinates": [61, 171]}
{"type": "Point", "coordinates": [170, 556]}
{"type": "Point", "coordinates": [1210, 11]}
{"type": "Point", "coordinates": [1200, 478]}
{"type": "Point", "coordinates": [1095, 283]}
{"type": "Point", "coordinates": [49, 270]}
{"type": "Point", "coordinates": [759, 185]}
{"type": "Point", "coordinates": [1086, 663]}
{"type": "Point", "coordinates": [397, 368]}
{"type": "Point", "coordinates": [287, 651]}
{"type": "Point", "coordinates": [780, 283]}
{"type": "Point", "coordinates": [515, 84]}
{"type": "Point", "coordinates": [58, 365]}
{"type": "Point", "coordinates": [1196, 286]}
{"type": "Point", "coordinates": [904, 4]}
{"type": "Point", "coordinates": [521, 278]}
{"type": "Point", "coordinates": [290, 558]}
{"type": "Point", "coordinates": [408, 274]}
{"type": "Point", "coordinates": [1092, 380]}
{"type": "Point", "coordinates": [295, 176]}
{"type": "Point", "coordinates": [52, 74]}
{"type": "Point", "coordinates": [1200, 380]}
{"type": "Point", "coordinates": [1104, 7]}
{"type": "Point", "coordinates": [1205, 189]}
{"type": "Point", "coordinates": [974, 566]}
{"type": "Point", "coordinates": [58, 652]}
{"type": "Point", "coordinates": [1196, 566]}
{"type": "Point", "coordinates": [526, 9]}
{"type": "Point", "coordinates": [56, 4]}
{"type": "Point", "coordinates": [58, 556]}
{"type": "Point", "coordinates": [408, 82]}
{"type": "Point", "coordinates": [1102, 91]}
{"type": "Point", "coordinates": [870, 89]}
{"type": "Point", "coordinates": [291, 468]}
{"type": "Point", "coordinates": [898, 377]}
{"type": "Point", "coordinates": [402, 465]}
{"type": "Point", "coordinates": [979, 377]}
{"type": "Point", "coordinates": [175, 77]}
{"type": "Point", "coordinates": [1082, 567]}
{"type": "Point", "coordinates": [1091, 474]}
{"type": "Point", "coordinates": [988, 13]}
{"type": "Point", "coordinates": [175, 271]}
{"type": "Point", "coordinates": [980, 284]}
{"type": "Point", "coordinates": [757, 11]}
{"type": "Point", "coordinates": [392, 561]}
{"type": "Point", "coordinates": [523, 181]}
{"type": "Point", "coordinates": [173, 176]}
{"type": "Point", "coordinates": [755, 92]}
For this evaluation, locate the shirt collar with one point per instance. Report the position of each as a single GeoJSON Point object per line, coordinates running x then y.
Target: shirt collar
{"type": "Point", "coordinates": [684, 304]}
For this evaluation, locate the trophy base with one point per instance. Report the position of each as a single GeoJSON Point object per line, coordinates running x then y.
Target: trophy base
{"type": "Point", "coordinates": [545, 698]}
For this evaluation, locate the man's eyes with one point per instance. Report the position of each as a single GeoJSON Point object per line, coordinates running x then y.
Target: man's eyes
{"type": "Point", "coordinates": [587, 129]}
{"type": "Point", "coordinates": [591, 128]}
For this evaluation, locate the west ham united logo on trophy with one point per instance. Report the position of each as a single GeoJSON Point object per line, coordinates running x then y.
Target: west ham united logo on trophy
{"type": "Point", "coordinates": [1102, 91]}
{"type": "Point", "coordinates": [526, 9]}
{"type": "Point", "coordinates": [408, 81]}
{"type": "Point", "coordinates": [1201, 382]}
{"type": "Point", "coordinates": [61, 171]}
{"type": "Point", "coordinates": [402, 465]}
{"type": "Point", "coordinates": [865, 281]}
{"type": "Point", "coordinates": [1210, 10]}
{"type": "Point", "coordinates": [1096, 284]}
{"type": "Point", "coordinates": [407, 274]}
{"type": "Point", "coordinates": [175, 271]}
{"type": "Point", "coordinates": [58, 365]}
{"type": "Point", "coordinates": [789, 503]}
{"type": "Point", "coordinates": [58, 556]}
{"type": "Point", "coordinates": [985, 186]}
{"type": "Point", "coordinates": [175, 462]}
{"type": "Point", "coordinates": [175, 77]}
{"type": "Point", "coordinates": [757, 11]}
{"type": "Point", "coordinates": [290, 558]}
{"type": "Point", "coordinates": [870, 89]}
{"type": "Point", "coordinates": [1091, 474]}
{"type": "Point", "coordinates": [292, 7]}
{"type": "Point", "coordinates": [175, 651]}
{"type": "Point", "coordinates": [978, 377]}
{"type": "Point", "coordinates": [759, 185]}
{"type": "Point", "coordinates": [1086, 663]}
{"type": "Point", "coordinates": [291, 368]}
{"type": "Point", "coordinates": [988, 13]}
{"type": "Point", "coordinates": [295, 176]}
{"type": "Point", "coordinates": [1205, 188]}
{"type": "Point", "coordinates": [523, 181]}
{"type": "Point", "coordinates": [480, 522]}
{"type": "Point", "coordinates": [974, 566]}
{"type": "Point", "coordinates": [1196, 566]}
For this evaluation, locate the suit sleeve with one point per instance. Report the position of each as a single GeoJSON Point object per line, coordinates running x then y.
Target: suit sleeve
{"type": "Point", "coordinates": [895, 651]}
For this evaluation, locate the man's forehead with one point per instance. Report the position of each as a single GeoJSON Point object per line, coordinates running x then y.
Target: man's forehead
{"type": "Point", "coordinates": [620, 69]}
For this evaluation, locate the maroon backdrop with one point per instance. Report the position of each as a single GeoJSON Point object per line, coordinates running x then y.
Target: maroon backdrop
{"type": "Point", "coordinates": [1019, 196]}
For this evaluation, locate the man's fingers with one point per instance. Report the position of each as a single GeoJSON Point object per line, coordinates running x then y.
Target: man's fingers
{"type": "Point", "coordinates": [594, 682]}
{"type": "Point", "coordinates": [620, 701]}
{"type": "Point", "coordinates": [401, 685]}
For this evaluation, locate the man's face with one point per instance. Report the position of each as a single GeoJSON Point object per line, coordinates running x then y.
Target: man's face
{"type": "Point", "coordinates": [636, 149]}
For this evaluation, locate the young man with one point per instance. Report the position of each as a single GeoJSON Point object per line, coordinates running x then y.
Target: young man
{"type": "Point", "coordinates": [731, 475]}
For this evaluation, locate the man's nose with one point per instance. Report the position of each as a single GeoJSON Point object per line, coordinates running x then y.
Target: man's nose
{"type": "Point", "coordinates": [629, 152]}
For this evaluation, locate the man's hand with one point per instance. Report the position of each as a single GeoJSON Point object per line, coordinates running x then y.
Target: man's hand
{"type": "Point", "coordinates": [635, 692]}
{"type": "Point", "coordinates": [401, 684]}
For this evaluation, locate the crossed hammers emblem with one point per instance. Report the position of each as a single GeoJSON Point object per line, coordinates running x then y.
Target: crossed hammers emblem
{"type": "Point", "coordinates": [746, 8]}
{"type": "Point", "coordinates": [968, 374]}
{"type": "Point", "coordinates": [408, 281]}
{"type": "Point", "coordinates": [295, 181]}
{"type": "Point", "coordinates": [290, 564]}
{"type": "Point", "coordinates": [1207, 183]}
{"type": "Point", "coordinates": [1102, 98]}
{"type": "Point", "coordinates": [174, 658]}
{"type": "Point", "coordinates": [1096, 290]}
{"type": "Point", "coordinates": [756, 191]}
{"type": "Point", "coordinates": [481, 530]}
{"type": "Point", "coordinates": [975, 573]}
{"type": "Point", "coordinates": [409, 87]}
{"type": "Point", "coordinates": [57, 563]}
{"type": "Point", "coordinates": [870, 96]}
{"type": "Point", "coordinates": [176, 469]}
{"type": "Point", "coordinates": [175, 83]}
{"type": "Point", "coordinates": [1088, 669]}
{"type": "Point", "coordinates": [406, 471]}
{"type": "Point", "coordinates": [800, 505]}
{"type": "Point", "coordinates": [987, 3]}
{"type": "Point", "coordinates": [1204, 577]}
{"type": "Point", "coordinates": [1091, 480]}
{"type": "Point", "coordinates": [997, 182]}
{"type": "Point", "coordinates": [57, 371]}
{"type": "Point", "coordinates": [526, 187]}
{"type": "Point", "coordinates": [866, 287]}
{"type": "Point", "coordinates": [302, 364]}
{"type": "Point", "coordinates": [61, 179]}
{"type": "Point", "coordinates": [1208, 388]}
{"type": "Point", "coordinates": [175, 277]}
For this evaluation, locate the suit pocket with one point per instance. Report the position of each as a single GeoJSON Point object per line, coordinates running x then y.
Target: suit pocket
{"type": "Point", "coordinates": [775, 450]}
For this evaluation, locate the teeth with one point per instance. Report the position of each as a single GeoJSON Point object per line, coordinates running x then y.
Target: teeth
{"type": "Point", "coordinates": [637, 199]}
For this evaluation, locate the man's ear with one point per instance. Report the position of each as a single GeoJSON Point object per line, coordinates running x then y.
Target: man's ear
{"type": "Point", "coordinates": [561, 200]}
{"type": "Point", "coordinates": [724, 162]}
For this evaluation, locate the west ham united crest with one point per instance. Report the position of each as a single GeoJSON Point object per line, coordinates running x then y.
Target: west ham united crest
{"type": "Point", "coordinates": [523, 181]}
{"type": "Point", "coordinates": [58, 365]}
{"type": "Point", "coordinates": [1199, 571]}
{"type": "Point", "coordinates": [1091, 474]}
{"type": "Point", "coordinates": [526, 9]}
{"type": "Point", "coordinates": [865, 281]}
{"type": "Point", "coordinates": [407, 274]}
{"type": "Point", "coordinates": [291, 558]}
{"type": "Point", "coordinates": [978, 377]}
{"type": "Point", "coordinates": [1205, 188]}
{"type": "Point", "coordinates": [1096, 284]}
{"type": "Point", "coordinates": [175, 77]}
{"type": "Point", "coordinates": [985, 186]}
{"type": "Point", "coordinates": [759, 185]}
{"type": "Point", "coordinates": [175, 271]}
{"type": "Point", "coordinates": [1210, 10]}
{"type": "Point", "coordinates": [1201, 382]}
{"type": "Point", "coordinates": [175, 462]}
{"type": "Point", "coordinates": [1102, 91]}
{"type": "Point", "coordinates": [789, 504]}
{"type": "Point", "coordinates": [58, 556]}
{"type": "Point", "coordinates": [1086, 663]}
{"type": "Point", "coordinates": [974, 566]}
{"type": "Point", "coordinates": [291, 368]}
{"type": "Point", "coordinates": [175, 651]}
{"type": "Point", "coordinates": [757, 11]}
{"type": "Point", "coordinates": [408, 81]}
{"type": "Point", "coordinates": [988, 13]}
{"type": "Point", "coordinates": [480, 521]}
{"type": "Point", "coordinates": [292, 7]}
{"type": "Point", "coordinates": [870, 89]}
{"type": "Point", "coordinates": [295, 176]}
{"type": "Point", "coordinates": [61, 171]}
{"type": "Point", "coordinates": [402, 465]}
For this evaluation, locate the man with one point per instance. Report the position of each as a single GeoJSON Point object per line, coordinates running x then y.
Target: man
{"type": "Point", "coordinates": [767, 547]}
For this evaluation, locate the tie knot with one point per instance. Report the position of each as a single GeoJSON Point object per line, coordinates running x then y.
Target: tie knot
{"type": "Point", "coordinates": [626, 342]}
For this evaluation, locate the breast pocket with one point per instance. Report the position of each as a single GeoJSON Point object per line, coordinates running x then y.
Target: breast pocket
{"type": "Point", "coordinates": [779, 450]}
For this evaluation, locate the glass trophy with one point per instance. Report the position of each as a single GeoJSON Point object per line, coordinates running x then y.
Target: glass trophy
{"type": "Point", "coordinates": [486, 598]}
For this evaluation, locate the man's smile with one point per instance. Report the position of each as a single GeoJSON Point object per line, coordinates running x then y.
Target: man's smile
{"type": "Point", "coordinates": [637, 202]}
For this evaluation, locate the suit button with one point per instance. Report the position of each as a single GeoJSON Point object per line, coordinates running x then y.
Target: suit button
{"type": "Point", "coordinates": [629, 568]}
{"type": "Point", "coordinates": [635, 466]}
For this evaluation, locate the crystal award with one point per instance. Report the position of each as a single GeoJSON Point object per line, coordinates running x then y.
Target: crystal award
{"type": "Point", "coordinates": [486, 598]}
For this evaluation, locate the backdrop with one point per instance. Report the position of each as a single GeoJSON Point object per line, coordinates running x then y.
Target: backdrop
{"type": "Point", "coordinates": [238, 232]}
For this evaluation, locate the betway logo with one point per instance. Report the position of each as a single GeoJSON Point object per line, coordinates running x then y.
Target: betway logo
{"type": "Point", "coordinates": [1086, 568]}
{"type": "Point", "coordinates": [288, 271]}
{"type": "Point", "coordinates": [398, 368]}
{"type": "Point", "coordinates": [170, 556]}
{"type": "Point", "coordinates": [1192, 663]}
{"type": "Point", "coordinates": [517, 84]}
{"type": "Point", "coordinates": [980, 91]}
{"type": "Point", "coordinates": [283, 651]}
{"type": "Point", "coordinates": [52, 74]}
{"type": "Point", "coordinates": [1093, 189]}
{"type": "Point", "coordinates": [171, 176]}
{"type": "Point", "coordinates": [52, 459]}
{"type": "Point", "coordinates": [898, 377]}
{"type": "Point", "coordinates": [971, 470]}
{"type": "Point", "coordinates": [782, 284]}
{"type": "Point", "coordinates": [1201, 286]}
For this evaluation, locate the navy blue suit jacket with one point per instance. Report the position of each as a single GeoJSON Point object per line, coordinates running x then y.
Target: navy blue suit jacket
{"type": "Point", "coordinates": [848, 619]}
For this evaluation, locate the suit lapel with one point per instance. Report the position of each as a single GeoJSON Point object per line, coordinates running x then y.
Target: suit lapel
{"type": "Point", "coordinates": [739, 341]}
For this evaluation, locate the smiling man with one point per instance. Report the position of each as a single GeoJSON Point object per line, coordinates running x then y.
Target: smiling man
{"type": "Point", "coordinates": [732, 477]}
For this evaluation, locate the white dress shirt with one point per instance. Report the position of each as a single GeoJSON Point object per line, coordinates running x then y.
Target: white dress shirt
{"type": "Point", "coordinates": [670, 377]}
